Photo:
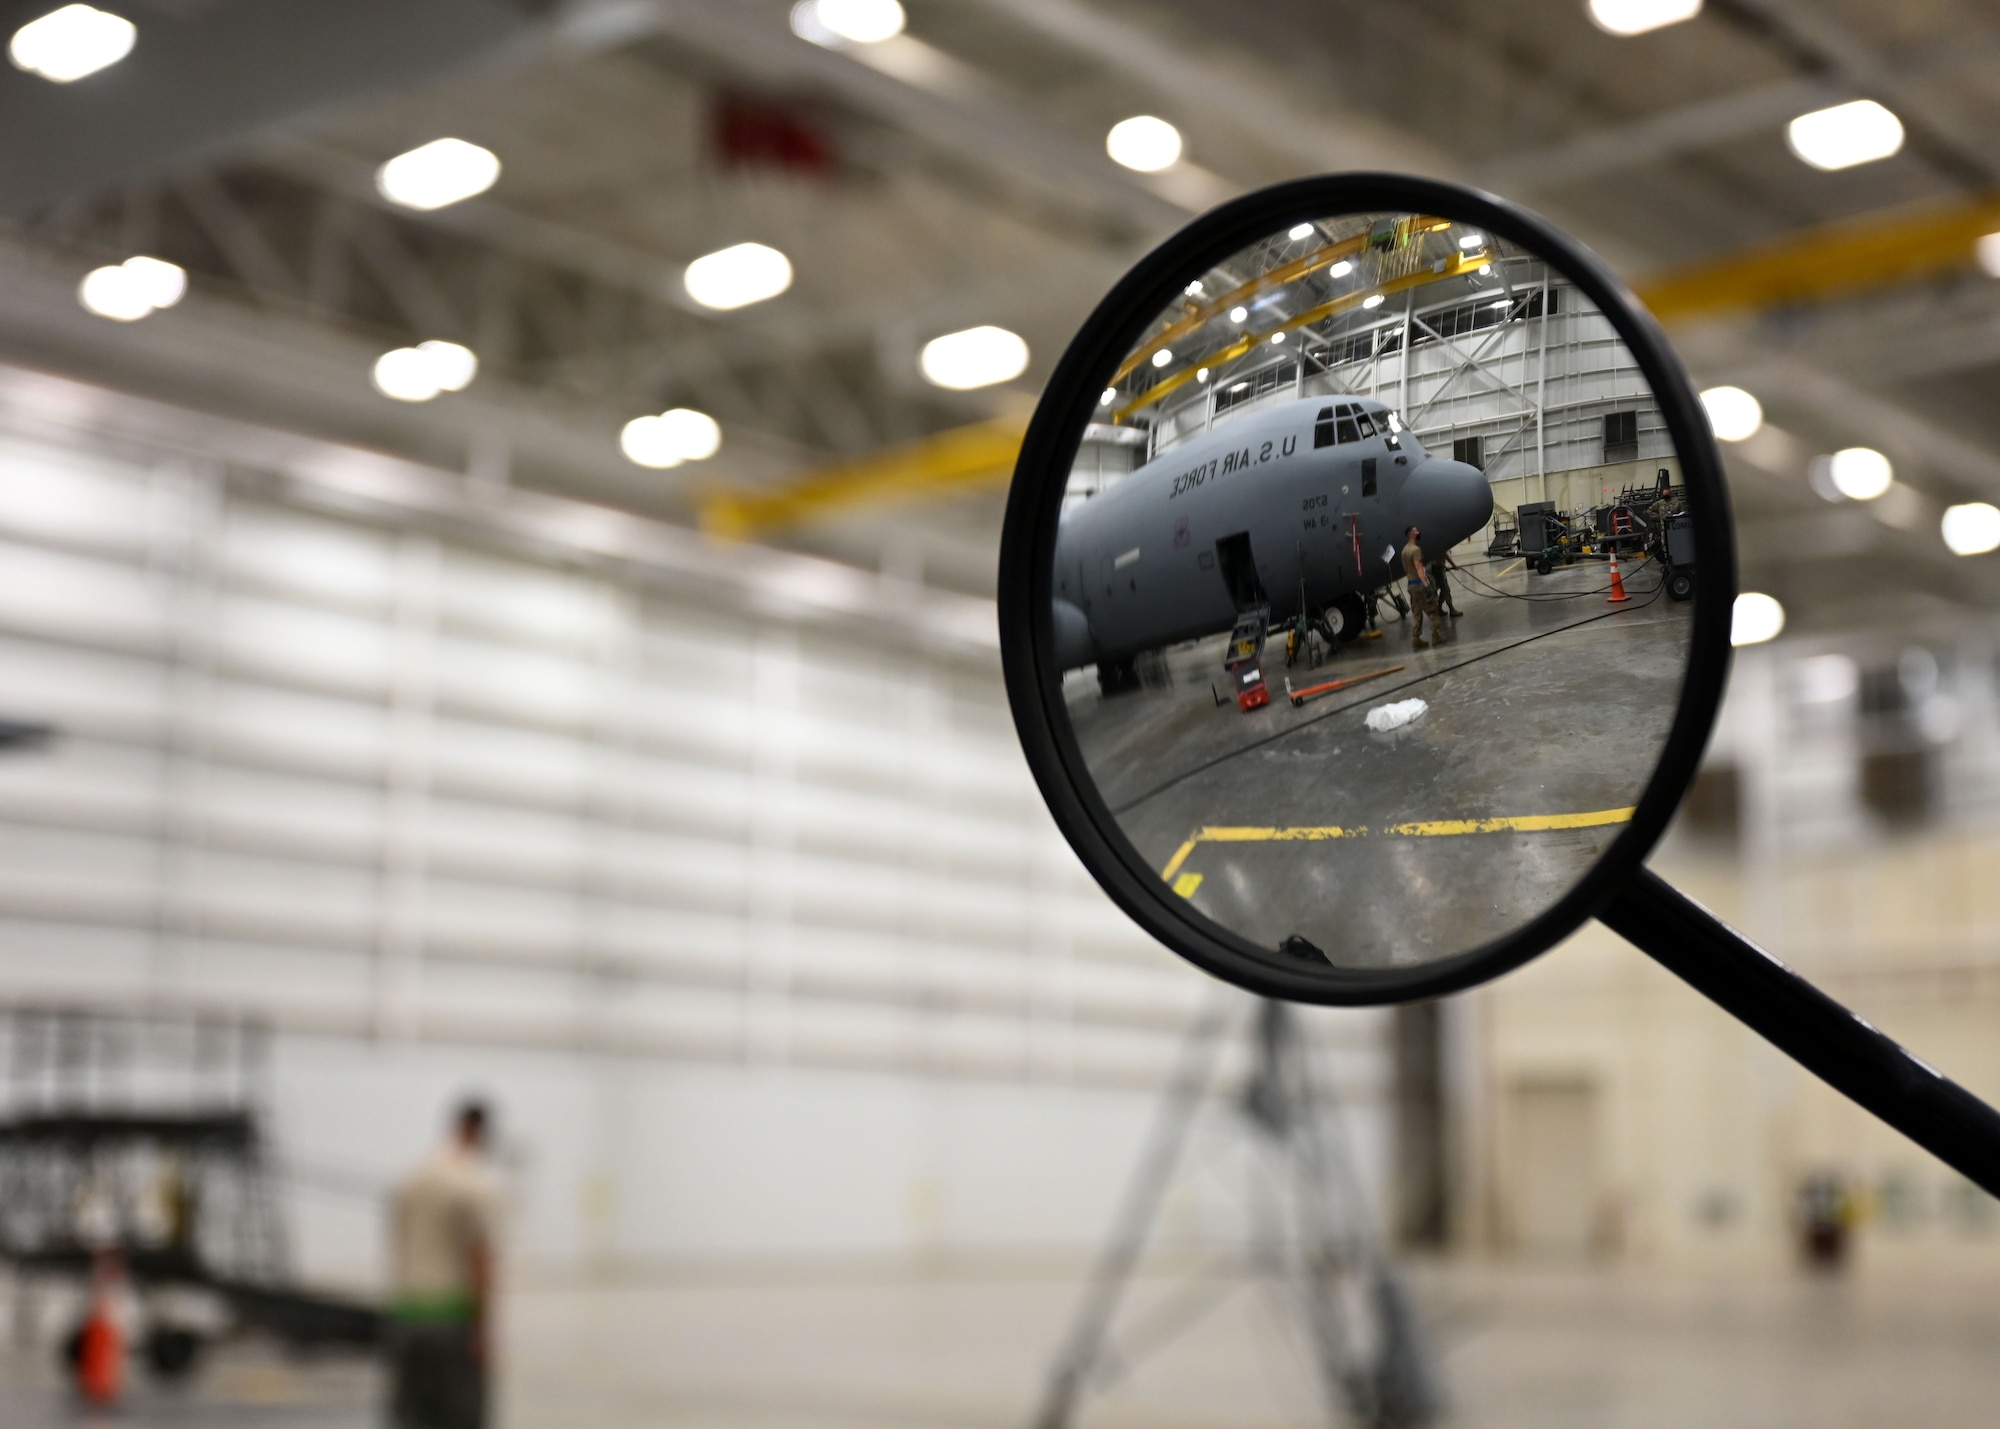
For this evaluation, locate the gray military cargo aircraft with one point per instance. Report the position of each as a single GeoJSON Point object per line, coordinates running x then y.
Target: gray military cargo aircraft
{"type": "Point", "coordinates": [1306, 499]}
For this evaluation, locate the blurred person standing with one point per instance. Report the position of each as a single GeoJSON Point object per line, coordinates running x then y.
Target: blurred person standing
{"type": "Point", "coordinates": [444, 1224]}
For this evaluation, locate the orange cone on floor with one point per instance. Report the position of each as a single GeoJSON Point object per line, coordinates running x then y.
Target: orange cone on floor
{"type": "Point", "coordinates": [1617, 581]}
{"type": "Point", "coordinates": [100, 1360]}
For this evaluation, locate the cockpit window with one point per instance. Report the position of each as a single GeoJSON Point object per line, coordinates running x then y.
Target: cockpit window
{"type": "Point", "coordinates": [1390, 424]}
{"type": "Point", "coordinates": [1361, 420]}
{"type": "Point", "coordinates": [1348, 433]}
{"type": "Point", "coordinates": [1323, 428]}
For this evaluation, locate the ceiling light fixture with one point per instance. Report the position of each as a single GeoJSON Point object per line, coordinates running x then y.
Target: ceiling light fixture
{"type": "Point", "coordinates": [1635, 17]}
{"type": "Point", "coordinates": [1860, 473]}
{"type": "Point", "coordinates": [1144, 142]}
{"type": "Point", "coordinates": [417, 374]}
{"type": "Point", "coordinates": [1163, 357]}
{"type": "Point", "coordinates": [738, 276]}
{"type": "Point", "coordinates": [856, 22]}
{"type": "Point", "coordinates": [1373, 300]}
{"type": "Point", "coordinates": [973, 357]}
{"type": "Point", "coordinates": [1237, 315]}
{"type": "Point", "coordinates": [1278, 338]}
{"type": "Point", "coordinates": [1472, 240]}
{"type": "Point", "coordinates": [1340, 269]}
{"type": "Point", "coordinates": [437, 174]}
{"type": "Point", "coordinates": [1201, 374]}
{"type": "Point", "coordinates": [674, 436]}
{"type": "Point", "coordinates": [1303, 230]}
{"type": "Point", "coordinates": [1110, 396]}
{"type": "Point", "coordinates": [1972, 529]}
{"type": "Point", "coordinates": [133, 289]}
{"type": "Point", "coordinates": [1755, 618]}
{"type": "Point", "coordinates": [1193, 290]}
{"type": "Point", "coordinates": [1733, 414]}
{"type": "Point", "coordinates": [1858, 132]}
{"type": "Point", "coordinates": [1987, 251]}
{"type": "Point", "coordinates": [69, 43]}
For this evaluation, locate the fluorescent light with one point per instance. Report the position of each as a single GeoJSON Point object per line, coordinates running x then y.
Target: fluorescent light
{"type": "Point", "coordinates": [1987, 251]}
{"type": "Point", "coordinates": [135, 288]}
{"type": "Point", "coordinates": [113, 293]}
{"type": "Point", "coordinates": [1972, 529]}
{"type": "Point", "coordinates": [417, 374]}
{"type": "Point", "coordinates": [1755, 618]}
{"type": "Point", "coordinates": [1237, 315]}
{"type": "Point", "coordinates": [1733, 414]}
{"type": "Point", "coordinates": [1857, 132]}
{"type": "Point", "coordinates": [1163, 357]}
{"type": "Point", "coordinates": [1499, 302]}
{"type": "Point", "coordinates": [1373, 300]}
{"type": "Point", "coordinates": [1472, 240]}
{"type": "Point", "coordinates": [454, 364]}
{"type": "Point", "coordinates": [974, 357]}
{"type": "Point", "coordinates": [1193, 290]}
{"type": "Point", "coordinates": [1238, 386]}
{"type": "Point", "coordinates": [1635, 17]}
{"type": "Point", "coordinates": [1277, 337]}
{"type": "Point", "coordinates": [1340, 269]}
{"type": "Point", "coordinates": [1303, 230]}
{"type": "Point", "coordinates": [674, 436]}
{"type": "Point", "coordinates": [69, 43]}
{"type": "Point", "coordinates": [1145, 143]}
{"type": "Point", "coordinates": [1110, 396]}
{"type": "Point", "coordinates": [1860, 473]}
{"type": "Point", "coordinates": [858, 22]}
{"type": "Point", "coordinates": [1484, 269]}
{"type": "Point", "coordinates": [1201, 374]}
{"type": "Point", "coordinates": [738, 276]}
{"type": "Point", "coordinates": [406, 375]}
{"type": "Point", "coordinates": [433, 175]}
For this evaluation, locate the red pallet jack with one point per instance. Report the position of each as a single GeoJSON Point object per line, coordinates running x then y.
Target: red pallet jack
{"type": "Point", "coordinates": [1313, 692]}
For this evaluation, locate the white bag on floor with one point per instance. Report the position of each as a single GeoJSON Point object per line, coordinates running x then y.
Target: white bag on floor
{"type": "Point", "coordinates": [1395, 716]}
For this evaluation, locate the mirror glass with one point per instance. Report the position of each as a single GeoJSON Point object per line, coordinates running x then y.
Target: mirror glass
{"type": "Point", "coordinates": [1373, 589]}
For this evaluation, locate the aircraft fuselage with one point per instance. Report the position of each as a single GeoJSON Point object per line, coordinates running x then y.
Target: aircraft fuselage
{"type": "Point", "coordinates": [1316, 491]}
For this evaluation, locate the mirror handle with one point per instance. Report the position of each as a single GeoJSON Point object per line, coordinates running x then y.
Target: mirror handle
{"type": "Point", "coordinates": [1808, 1026]}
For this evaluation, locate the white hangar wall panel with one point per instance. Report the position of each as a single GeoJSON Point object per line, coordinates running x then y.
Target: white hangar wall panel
{"type": "Point", "coordinates": [654, 869]}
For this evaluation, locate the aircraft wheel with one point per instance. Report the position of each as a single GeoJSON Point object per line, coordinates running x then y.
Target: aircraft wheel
{"type": "Point", "coordinates": [1346, 617]}
{"type": "Point", "coordinates": [172, 1352]}
{"type": "Point", "coordinates": [1680, 585]}
{"type": "Point", "coordinates": [1115, 677]}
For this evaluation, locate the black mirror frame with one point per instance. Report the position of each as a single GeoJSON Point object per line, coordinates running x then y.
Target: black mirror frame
{"type": "Point", "coordinates": [1034, 504]}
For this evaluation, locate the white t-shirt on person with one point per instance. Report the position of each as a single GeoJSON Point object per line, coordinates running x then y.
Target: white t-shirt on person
{"type": "Point", "coordinates": [441, 1213]}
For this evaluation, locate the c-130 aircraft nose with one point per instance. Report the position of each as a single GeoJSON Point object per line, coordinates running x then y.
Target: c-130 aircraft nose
{"type": "Point", "coordinates": [1449, 500]}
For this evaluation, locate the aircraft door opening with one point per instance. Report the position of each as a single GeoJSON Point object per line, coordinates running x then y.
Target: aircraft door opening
{"type": "Point", "coordinates": [1239, 571]}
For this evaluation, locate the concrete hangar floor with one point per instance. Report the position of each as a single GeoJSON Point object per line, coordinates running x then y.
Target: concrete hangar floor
{"type": "Point", "coordinates": [1547, 712]}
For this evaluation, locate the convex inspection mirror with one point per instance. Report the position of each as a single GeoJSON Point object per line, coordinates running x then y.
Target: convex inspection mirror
{"type": "Point", "coordinates": [1365, 596]}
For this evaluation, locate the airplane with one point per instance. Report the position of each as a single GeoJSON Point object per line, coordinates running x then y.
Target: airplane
{"type": "Point", "coordinates": [1308, 498]}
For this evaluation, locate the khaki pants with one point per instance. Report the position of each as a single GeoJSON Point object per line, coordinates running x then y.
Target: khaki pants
{"type": "Point", "coordinates": [1424, 601]}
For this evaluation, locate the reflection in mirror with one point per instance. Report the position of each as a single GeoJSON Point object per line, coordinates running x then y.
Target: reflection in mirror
{"type": "Point", "coordinates": [1373, 590]}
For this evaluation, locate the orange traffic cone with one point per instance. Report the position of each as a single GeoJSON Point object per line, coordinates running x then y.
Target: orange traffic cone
{"type": "Point", "coordinates": [1617, 581]}
{"type": "Point", "coordinates": [100, 1361]}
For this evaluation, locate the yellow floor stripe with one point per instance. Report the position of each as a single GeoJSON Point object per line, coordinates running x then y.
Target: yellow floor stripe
{"type": "Point", "coordinates": [1180, 857]}
{"type": "Point", "coordinates": [1426, 828]}
{"type": "Point", "coordinates": [1511, 569]}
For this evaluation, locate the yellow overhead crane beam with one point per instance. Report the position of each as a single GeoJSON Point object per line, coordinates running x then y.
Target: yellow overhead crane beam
{"type": "Point", "coordinates": [947, 464]}
{"type": "Point", "coordinates": [1285, 273]}
{"type": "Point", "coordinates": [1452, 267]}
{"type": "Point", "coordinates": [1833, 261]}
